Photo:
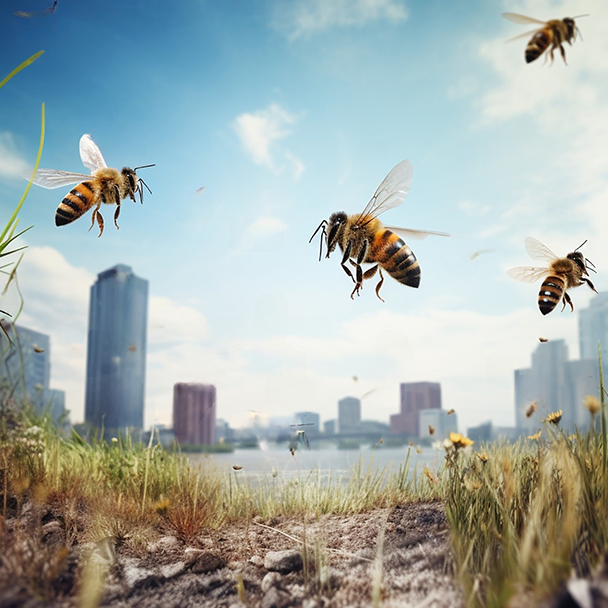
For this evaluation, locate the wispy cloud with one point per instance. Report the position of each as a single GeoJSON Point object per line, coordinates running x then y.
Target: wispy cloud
{"type": "Point", "coordinates": [267, 226]}
{"type": "Point", "coordinates": [305, 17]}
{"type": "Point", "coordinates": [12, 164]}
{"type": "Point", "coordinates": [260, 133]}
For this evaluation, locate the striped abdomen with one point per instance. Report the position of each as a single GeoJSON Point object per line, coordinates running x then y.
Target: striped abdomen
{"type": "Point", "coordinates": [538, 44]}
{"type": "Point", "coordinates": [76, 202]}
{"type": "Point", "coordinates": [391, 252]}
{"type": "Point", "coordinates": [551, 292]}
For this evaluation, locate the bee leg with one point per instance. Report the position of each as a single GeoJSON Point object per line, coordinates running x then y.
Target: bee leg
{"type": "Point", "coordinates": [360, 276]}
{"type": "Point", "coordinates": [380, 285]}
{"type": "Point", "coordinates": [116, 214]}
{"type": "Point", "coordinates": [567, 300]}
{"type": "Point", "coordinates": [99, 222]}
{"type": "Point", "coordinates": [345, 258]}
{"type": "Point", "coordinates": [563, 53]}
{"type": "Point", "coordinates": [591, 285]}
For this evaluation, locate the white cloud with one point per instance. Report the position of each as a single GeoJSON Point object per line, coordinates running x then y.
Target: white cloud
{"type": "Point", "coordinates": [266, 226]}
{"type": "Point", "coordinates": [260, 133]}
{"type": "Point", "coordinates": [305, 17]}
{"type": "Point", "coordinates": [12, 164]}
{"type": "Point", "coordinates": [473, 208]}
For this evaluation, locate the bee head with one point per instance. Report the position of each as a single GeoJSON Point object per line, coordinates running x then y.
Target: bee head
{"type": "Point", "coordinates": [135, 181]}
{"type": "Point", "coordinates": [570, 26]}
{"type": "Point", "coordinates": [335, 227]}
{"type": "Point", "coordinates": [580, 260]}
{"type": "Point", "coordinates": [131, 177]}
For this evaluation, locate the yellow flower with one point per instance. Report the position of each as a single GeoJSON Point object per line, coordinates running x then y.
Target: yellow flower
{"type": "Point", "coordinates": [460, 441]}
{"type": "Point", "coordinates": [554, 417]}
{"type": "Point", "coordinates": [483, 456]}
{"type": "Point", "coordinates": [471, 484]}
{"type": "Point", "coordinates": [592, 404]}
{"type": "Point", "coordinates": [536, 436]}
{"type": "Point", "coordinates": [162, 506]}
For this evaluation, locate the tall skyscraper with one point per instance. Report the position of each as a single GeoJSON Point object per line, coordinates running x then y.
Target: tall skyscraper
{"type": "Point", "coordinates": [415, 397]}
{"type": "Point", "coordinates": [116, 351]}
{"type": "Point", "coordinates": [554, 383]}
{"type": "Point", "coordinates": [593, 327]}
{"type": "Point", "coordinates": [194, 411]}
{"type": "Point", "coordinates": [442, 424]}
{"type": "Point", "coordinates": [26, 364]}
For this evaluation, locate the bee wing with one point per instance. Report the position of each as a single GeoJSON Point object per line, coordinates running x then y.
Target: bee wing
{"type": "Point", "coordinates": [526, 35]}
{"type": "Point", "coordinates": [391, 192]}
{"type": "Point", "coordinates": [416, 235]}
{"type": "Point", "coordinates": [54, 178]}
{"type": "Point", "coordinates": [537, 251]}
{"type": "Point", "coordinates": [90, 153]}
{"type": "Point", "coordinates": [527, 274]}
{"type": "Point", "coordinates": [517, 18]}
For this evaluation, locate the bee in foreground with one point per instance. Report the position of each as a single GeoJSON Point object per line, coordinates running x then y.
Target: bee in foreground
{"type": "Point", "coordinates": [364, 240]}
{"type": "Point", "coordinates": [104, 185]}
{"type": "Point", "coordinates": [552, 34]}
{"type": "Point", "coordinates": [560, 275]}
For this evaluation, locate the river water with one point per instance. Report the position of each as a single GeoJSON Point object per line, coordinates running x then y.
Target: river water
{"type": "Point", "coordinates": [326, 463]}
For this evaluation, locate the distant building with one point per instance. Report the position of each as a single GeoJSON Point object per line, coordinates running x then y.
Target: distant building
{"type": "Point", "coordinates": [57, 404]}
{"type": "Point", "coordinates": [442, 424]}
{"type": "Point", "coordinates": [223, 432]}
{"type": "Point", "coordinates": [312, 420]}
{"type": "Point", "coordinates": [194, 411]}
{"type": "Point", "coordinates": [116, 351]}
{"type": "Point", "coordinates": [349, 414]}
{"type": "Point", "coordinates": [593, 327]}
{"type": "Point", "coordinates": [329, 427]}
{"type": "Point", "coordinates": [415, 397]}
{"type": "Point", "coordinates": [554, 383]}
{"type": "Point", "coordinates": [488, 432]}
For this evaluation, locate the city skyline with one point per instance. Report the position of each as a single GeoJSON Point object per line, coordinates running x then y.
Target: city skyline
{"type": "Point", "coordinates": [283, 116]}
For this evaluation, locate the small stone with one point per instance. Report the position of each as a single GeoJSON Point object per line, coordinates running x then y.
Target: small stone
{"type": "Point", "coordinates": [272, 579]}
{"type": "Point", "coordinates": [207, 562]}
{"type": "Point", "coordinates": [256, 560]}
{"type": "Point", "coordinates": [164, 543]}
{"type": "Point", "coordinates": [284, 562]}
{"type": "Point", "coordinates": [52, 532]}
{"type": "Point", "coordinates": [275, 598]}
{"type": "Point", "coordinates": [172, 570]}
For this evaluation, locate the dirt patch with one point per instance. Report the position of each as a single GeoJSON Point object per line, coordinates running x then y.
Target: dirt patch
{"type": "Point", "coordinates": [401, 556]}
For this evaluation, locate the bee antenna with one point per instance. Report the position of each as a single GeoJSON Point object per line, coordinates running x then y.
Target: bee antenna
{"type": "Point", "coordinates": [321, 225]}
{"type": "Point", "coordinates": [579, 16]}
{"type": "Point", "coordinates": [581, 244]}
{"type": "Point", "coordinates": [143, 167]}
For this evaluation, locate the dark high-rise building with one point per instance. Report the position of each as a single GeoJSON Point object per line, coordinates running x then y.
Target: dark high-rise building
{"type": "Point", "coordinates": [194, 413]}
{"type": "Point", "coordinates": [116, 351]}
{"type": "Point", "coordinates": [415, 397]}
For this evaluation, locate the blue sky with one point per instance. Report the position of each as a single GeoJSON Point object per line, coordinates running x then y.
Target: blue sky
{"type": "Point", "coordinates": [286, 112]}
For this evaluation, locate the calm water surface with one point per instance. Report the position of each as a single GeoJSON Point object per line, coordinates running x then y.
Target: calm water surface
{"type": "Point", "coordinates": [325, 462]}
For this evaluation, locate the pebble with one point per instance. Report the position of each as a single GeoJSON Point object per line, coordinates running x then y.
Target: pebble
{"type": "Point", "coordinates": [286, 561]}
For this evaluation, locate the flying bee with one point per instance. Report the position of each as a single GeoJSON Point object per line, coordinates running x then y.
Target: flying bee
{"type": "Point", "coordinates": [552, 34]}
{"type": "Point", "coordinates": [364, 240]}
{"type": "Point", "coordinates": [104, 185]}
{"type": "Point", "coordinates": [560, 275]}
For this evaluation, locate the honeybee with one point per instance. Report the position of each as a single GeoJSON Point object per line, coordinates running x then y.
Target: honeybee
{"type": "Point", "coordinates": [364, 240]}
{"type": "Point", "coordinates": [552, 34]}
{"type": "Point", "coordinates": [560, 275]}
{"type": "Point", "coordinates": [104, 185]}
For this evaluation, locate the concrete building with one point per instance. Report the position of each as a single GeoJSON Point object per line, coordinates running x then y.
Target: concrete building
{"type": "Point", "coordinates": [194, 413]}
{"type": "Point", "coordinates": [349, 415]}
{"type": "Point", "coordinates": [439, 420]}
{"type": "Point", "coordinates": [554, 383]}
{"type": "Point", "coordinates": [593, 327]}
{"type": "Point", "coordinates": [415, 397]}
{"type": "Point", "coordinates": [312, 420]}
{"type": "Point", "coordinates": [116, 351]}
{"type": "Point", "coordinates": [329, 427]}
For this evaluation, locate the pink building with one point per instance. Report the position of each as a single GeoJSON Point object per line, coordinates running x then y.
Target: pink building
{"type": "Point", "coordinates": [194, 413]}
{"type": "Point", "coordinates": [415, 397]}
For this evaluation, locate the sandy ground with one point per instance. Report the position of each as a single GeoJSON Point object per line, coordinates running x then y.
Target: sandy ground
{"type": "Point", "coordinates": [396, 557]}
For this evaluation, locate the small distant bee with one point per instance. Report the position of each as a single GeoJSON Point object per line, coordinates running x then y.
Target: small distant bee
{"type": "Point", "coordinates": [104, 185]}
{"type": "Point", "coordinates": [431, 429]}
{"type": "Point", "coordinates": [552, 34]}
{"type": "Point", "coordinates": [561, 274]}
{"type": "Point", "coordinates": [37, 349]}
{"type": "Point", "coordinates": [450, 412]}
{"type": "Point", "coordinates": [541, 339]}
{"type": "Point", "coordinates": [364, 240]}
{"type": "Point", "coordinates": [531, 409]}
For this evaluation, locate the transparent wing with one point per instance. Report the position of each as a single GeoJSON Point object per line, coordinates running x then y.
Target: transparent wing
{"type": "Point", "coordinates": [391, 192]}
{"type": "Point", "coordinates": [91, 154]}
{"type": "Point", "coordinates": [517, 18]}
{"type": "Point", "coordinates": [53, 178]}
{"type": "Point", "coordinates": [526, 35]}
{"type": "Point", "coordinates": [527, 274]}
{"type": "Point", "coordinates": [416, 235]}
{"type": "Point", "coordinates": [537, 251]}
